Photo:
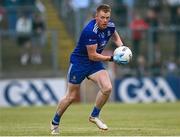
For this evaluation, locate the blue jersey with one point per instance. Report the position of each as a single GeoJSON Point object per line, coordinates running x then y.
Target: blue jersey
{"type": "Point", "coordinates": [90, 35]}
{"type": "Point", "coordinates": [81, 66]}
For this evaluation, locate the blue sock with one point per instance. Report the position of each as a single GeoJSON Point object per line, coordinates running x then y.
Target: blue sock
{"type": "Point", "coordinates": [95, 112]}
{"type": "Point", "coordinates": [56, 119]}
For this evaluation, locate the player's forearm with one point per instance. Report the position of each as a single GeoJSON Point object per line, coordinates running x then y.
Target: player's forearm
{"type": "Point", "coordinates": [118, 43]}
{"type": "Point", "coordinates": [116, 39]}
{"type": "Point", "coordinates": [99, 57]}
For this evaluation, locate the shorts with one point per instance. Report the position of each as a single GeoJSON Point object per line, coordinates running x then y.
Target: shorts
{"type": "Point", "coordinates": [77, 73]}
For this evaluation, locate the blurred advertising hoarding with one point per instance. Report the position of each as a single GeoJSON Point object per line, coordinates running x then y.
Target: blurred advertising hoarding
{"type": "Point", "coordinates": [147, 90]}
{"type": "Point", "coordinates": [28, 92]}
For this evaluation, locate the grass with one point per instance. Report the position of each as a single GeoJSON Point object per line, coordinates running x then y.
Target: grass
{"type": "Point", "coordinates": [123, 119]}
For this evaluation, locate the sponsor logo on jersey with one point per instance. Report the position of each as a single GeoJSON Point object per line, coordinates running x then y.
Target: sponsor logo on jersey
{"type": "Point", "coordinates": [92, 40]}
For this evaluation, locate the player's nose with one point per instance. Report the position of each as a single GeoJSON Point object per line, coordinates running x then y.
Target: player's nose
{"type": "Point", "coordinates": [105, 20]}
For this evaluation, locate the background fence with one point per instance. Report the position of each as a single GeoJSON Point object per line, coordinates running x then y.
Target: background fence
{"type": "Point", "coordinates": [10, 64]}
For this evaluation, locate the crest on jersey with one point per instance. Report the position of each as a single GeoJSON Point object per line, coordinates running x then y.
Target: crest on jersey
{"type": "Point", "coordinates": [109, 33]}
{"type": "Point", "coordinates": [74, 77]}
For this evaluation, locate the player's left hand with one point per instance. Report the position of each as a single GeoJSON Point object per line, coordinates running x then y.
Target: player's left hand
{"type": "Point", "coordinates": [117, 59]}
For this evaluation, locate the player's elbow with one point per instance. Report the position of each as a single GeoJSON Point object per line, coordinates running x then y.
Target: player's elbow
{"type": "Point", "coordinates": [92, 57]}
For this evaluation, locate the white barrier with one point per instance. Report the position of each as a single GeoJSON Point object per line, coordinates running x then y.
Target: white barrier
{"type": "Point", "coordinates": [25, 92]}
{"type": "Point", "coordinates": [147, 90]}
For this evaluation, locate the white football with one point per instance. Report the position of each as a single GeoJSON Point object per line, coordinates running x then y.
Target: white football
{"type": "Point", "coordinates": [125, 53]}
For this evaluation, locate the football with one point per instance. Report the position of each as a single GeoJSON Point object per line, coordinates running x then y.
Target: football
{"type": "Point", "coordinates": [124, 52]}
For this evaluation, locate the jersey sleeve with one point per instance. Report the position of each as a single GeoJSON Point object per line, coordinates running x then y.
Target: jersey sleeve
{"type": "Point", "coordinates": [112, 27]}
{"type": "Point", "coordinates": [113, 30]}
{"type": "Point", "coordinates": [90, 38]}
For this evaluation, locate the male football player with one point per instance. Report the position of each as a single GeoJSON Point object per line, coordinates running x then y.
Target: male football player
{"type": "Point", "coordinates": [86, 62]}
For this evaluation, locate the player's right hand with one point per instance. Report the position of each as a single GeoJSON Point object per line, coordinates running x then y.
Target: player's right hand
{"type": "Point", "coordinates": [119, 60]}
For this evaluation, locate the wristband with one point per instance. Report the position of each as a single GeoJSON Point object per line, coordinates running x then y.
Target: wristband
{"type": "Point", "coordinates": [111, 59]}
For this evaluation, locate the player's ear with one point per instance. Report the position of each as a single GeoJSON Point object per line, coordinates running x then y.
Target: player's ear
{"type": "Point", "coordinates": [96, 16]}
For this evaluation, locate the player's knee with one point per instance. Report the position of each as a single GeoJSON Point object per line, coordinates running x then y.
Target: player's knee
{"type": "Point", "coordinates": [107, 89]}
{"type": "Point", "coordinates": [71, 98]}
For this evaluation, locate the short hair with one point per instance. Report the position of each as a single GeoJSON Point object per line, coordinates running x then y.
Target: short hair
{"type": "Point", "coordinates": [103, 7]}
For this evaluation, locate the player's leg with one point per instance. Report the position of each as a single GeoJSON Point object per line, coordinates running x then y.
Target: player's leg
{"type": "Point", "coordinates": [72, 92]}
{"type": "Point", "coordinates": [103, 80]}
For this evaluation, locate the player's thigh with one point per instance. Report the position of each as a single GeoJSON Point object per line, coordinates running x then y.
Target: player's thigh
{"type": "Point", "coordinates": [73, 89]}
{"type": "Point", "coordinates": [102, 79]}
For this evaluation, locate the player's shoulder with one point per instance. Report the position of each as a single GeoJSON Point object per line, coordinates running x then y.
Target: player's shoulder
{"type": "Point", "coordinates": [111, 24]}
{"type": "Point", "coordinates": [91, 27]}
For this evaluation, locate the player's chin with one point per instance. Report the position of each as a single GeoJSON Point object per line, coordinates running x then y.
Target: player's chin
{"type": "Point", "coordinates": [103, 26]}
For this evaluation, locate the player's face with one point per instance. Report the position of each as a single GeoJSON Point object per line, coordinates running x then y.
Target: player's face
{"type": "Point", "coordinates": [102, 19]}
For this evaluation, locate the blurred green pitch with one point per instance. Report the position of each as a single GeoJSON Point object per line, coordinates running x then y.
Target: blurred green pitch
{"type": "Point", "coordinates": [156, 119]}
